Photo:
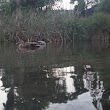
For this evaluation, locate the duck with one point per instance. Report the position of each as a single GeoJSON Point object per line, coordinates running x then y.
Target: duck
{"type": "Point", "coordinates": [28, 45]}
{"type": "Point", "coordinates": [31, 45]}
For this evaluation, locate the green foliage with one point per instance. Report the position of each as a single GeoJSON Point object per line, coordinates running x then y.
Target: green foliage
{"type": "Point", "coordinates": [20, 18]}
{"type": "Point", "coordinates": [96, 23]}
{"type": "Point", "coordinates": [5, 7]}
{"type": "Point", "coordinates": [12, 5]}
{"type": "Point", "coordinates": [75, 29]}
{"type": "Point", "coordinates": [104, 6]}
{"type": "Point", "coordinates": [82, 7]}
{"type": "Point", "coordinates": [36, 3]}
{"type": "Point", "coordinates": [87, 28]}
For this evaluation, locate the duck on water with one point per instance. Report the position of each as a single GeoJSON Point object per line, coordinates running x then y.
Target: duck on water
{"type": "Point", "coordinates": [31, 45]}
{"type": "Point", "coordinates": [23, 47]}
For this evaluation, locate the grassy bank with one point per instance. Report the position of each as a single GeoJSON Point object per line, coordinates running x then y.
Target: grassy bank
{"type": "Point", "coordinates": [56, 26]}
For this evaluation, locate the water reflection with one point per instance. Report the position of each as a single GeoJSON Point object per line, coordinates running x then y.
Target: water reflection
{"type": "Point", "coordinates": [30, 50]}
{"type": "Point", "coordinates": [45, 88]}
{"type": "Point", "coordinates": [55, 78]}
{"type": "Point", "coordinates": [95, 86]}
{"type": "Point", "coordinates": [64, 74]}
{"type": "Point", "coordinates": [6, 92]}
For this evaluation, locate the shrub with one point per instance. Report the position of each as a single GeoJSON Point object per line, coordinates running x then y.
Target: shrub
{"type": "Point", "coordinates": [104, 6]}
{"type": "Point", "coordinates": [96, 23]}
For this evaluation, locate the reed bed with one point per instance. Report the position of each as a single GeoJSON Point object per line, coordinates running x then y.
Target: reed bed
{"type": "Point", "coordinates": [52, 25]}
{"type": "Point", "coordinates": [33, 25]}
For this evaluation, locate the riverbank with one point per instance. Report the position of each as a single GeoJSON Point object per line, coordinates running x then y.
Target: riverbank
{"type": "Point", "coordinates": [32, 25]}
{"type": "Point", "coordinates": [54, 26]}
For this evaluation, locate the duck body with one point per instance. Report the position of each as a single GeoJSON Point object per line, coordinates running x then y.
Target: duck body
{"type": "Point", "coordinates": [30, 46]}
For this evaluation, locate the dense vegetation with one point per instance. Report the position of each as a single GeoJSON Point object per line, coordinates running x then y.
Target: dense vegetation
{"type": "Point", "coordinates": [34, 20]}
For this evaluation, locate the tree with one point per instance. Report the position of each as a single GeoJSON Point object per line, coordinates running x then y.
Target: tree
{"type": "Point", "coordinates": [83, 5]}
{"type": "Point", "coordinates": [104, 6]}
{"type": "Point", "coordinates": [34, 3]}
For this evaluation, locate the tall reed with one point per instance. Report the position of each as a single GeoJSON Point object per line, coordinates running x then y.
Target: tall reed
{"type": "Point", "coordinates": [53, 25]}
{"type": "Point", "coordinates": [22, 24]}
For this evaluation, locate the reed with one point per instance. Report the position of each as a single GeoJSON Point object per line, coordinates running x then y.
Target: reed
{"type": "Point", "coordinates": [94, 27]}
{"type": "Point", "coordinates": [28, 25]}
{"type": "Point", "coordinates": [53, 25]}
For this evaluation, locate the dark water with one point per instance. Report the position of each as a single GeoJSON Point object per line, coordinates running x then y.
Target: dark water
{"type": "Point", "coordinates": [56, 77]}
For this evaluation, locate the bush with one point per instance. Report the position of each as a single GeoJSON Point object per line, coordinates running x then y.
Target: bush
{"type": "Point", "coordinates": [104, 6]}
{"type": "Point", "coordinates": [96, 23]}
{"type": "Point", "coordinates": [86, 28]}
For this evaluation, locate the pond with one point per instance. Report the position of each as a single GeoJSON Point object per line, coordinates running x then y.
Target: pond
{"type": "Point", "coordinates": [73, 76]}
